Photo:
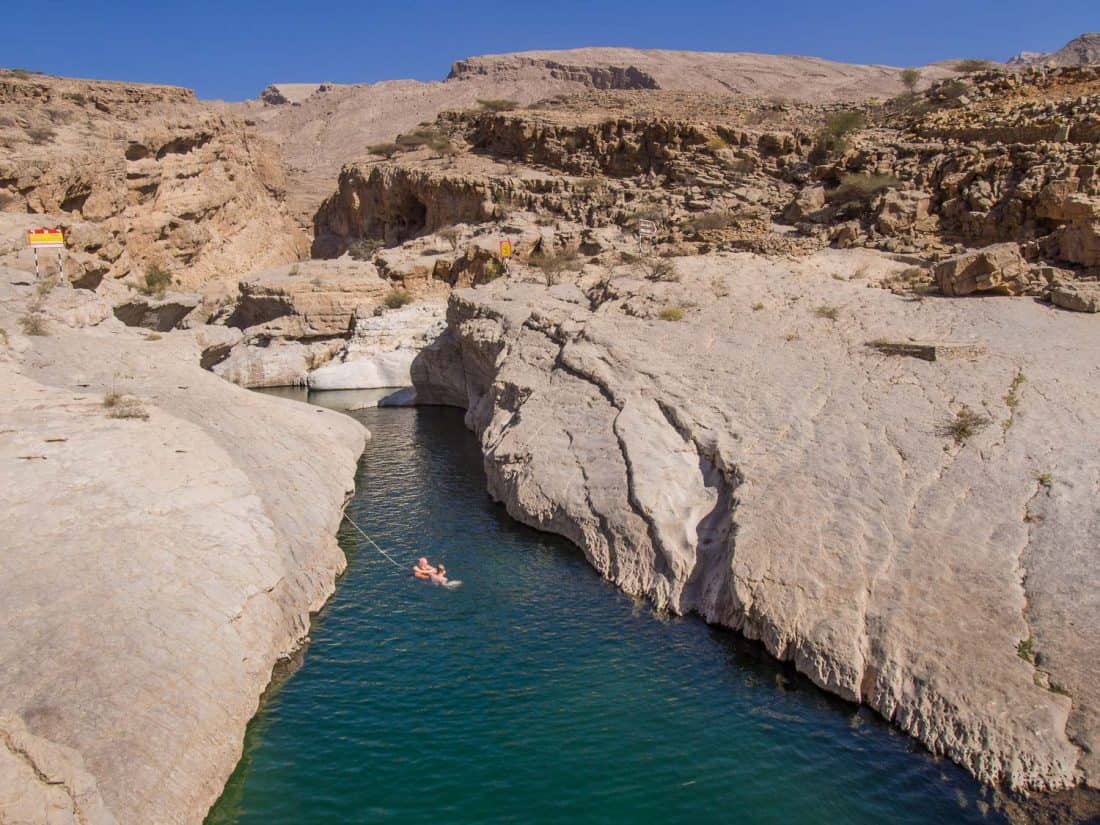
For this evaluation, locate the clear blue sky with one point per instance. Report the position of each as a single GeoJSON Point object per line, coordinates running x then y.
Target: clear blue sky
{"type": "Point", "coordinates": [232, 50]}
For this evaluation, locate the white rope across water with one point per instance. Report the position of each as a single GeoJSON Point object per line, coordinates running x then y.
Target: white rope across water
{"type": "Point", "coordinates": [363, 533]}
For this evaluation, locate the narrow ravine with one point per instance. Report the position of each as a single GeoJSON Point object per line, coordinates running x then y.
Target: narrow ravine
{"type": "Point", "coordinates": [537, 692]}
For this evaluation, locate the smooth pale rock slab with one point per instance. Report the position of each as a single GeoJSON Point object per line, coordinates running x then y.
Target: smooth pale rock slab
{"type": "Point", "coordinates": [153, 570]}
{"type": "Point", "coordinates": [386, 369]}
{"type": "Point", "coordinates": [381, 349]}
{"type": "Point", "coordinates": [757, 463]}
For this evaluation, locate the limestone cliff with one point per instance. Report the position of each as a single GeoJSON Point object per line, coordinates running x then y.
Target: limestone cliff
{"type": "Point", "coordinates": [917, 535]}
{"type": "Point", "coordinates": [140, 176]}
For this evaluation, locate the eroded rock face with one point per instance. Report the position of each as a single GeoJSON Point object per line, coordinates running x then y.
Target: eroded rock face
{"type": "Point", "coordinates": [143, 617]}
{"type": "Point", "coordinates": [826, 510]}
{"type": "Point", "coordinates": [143, 175]}
{"type": "Point", "coordinates": [160, 313]}
{"type": "Point", "coordinates": [381, 349]}
{"type": "Point", "coordinates": [396, 203]}
{"type": "Point", "coordinates": [307, 302]}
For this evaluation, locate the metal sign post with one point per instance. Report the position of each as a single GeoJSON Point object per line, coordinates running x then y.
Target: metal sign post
{"type": "Point", "coordinates": [47, 239]}
{"type": "Point", "coordinates": [505, 253]}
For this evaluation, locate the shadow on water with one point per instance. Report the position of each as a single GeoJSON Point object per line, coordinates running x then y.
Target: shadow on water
{"type": "Point", "coordinates": [538, 692]}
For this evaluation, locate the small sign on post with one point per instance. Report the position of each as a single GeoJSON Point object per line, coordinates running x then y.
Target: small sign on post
{"type": "Point", "coordinates": [505, 250]}
{"type": "Point", "coordinates": [47, 239]}
{"type": "Point", "coordinates": [647, 229]}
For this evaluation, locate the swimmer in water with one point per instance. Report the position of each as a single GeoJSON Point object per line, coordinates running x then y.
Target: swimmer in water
{"type": "Point", "coordinates": [425, 570]}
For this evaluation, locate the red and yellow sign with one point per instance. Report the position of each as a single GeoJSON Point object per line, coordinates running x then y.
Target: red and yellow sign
{"type": "Point", "coordinates": [506, 249]}
{"type": "Point", "coordinates": [46, 237]}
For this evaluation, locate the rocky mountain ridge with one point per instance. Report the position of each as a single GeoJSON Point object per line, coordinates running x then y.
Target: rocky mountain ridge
{"type": "Point", "coordinates": [1081, 51]}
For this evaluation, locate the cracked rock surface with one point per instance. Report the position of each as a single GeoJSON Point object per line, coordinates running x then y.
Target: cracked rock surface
{"type": "Point", "coordinates": [758, 463]}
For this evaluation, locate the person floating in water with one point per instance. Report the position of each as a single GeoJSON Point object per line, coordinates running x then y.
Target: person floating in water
{"type": "Point", "coordinates": [424, 570]}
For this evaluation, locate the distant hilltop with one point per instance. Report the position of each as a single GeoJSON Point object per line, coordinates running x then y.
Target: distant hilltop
{"type": "Point", "coordinates": [1081, 51]}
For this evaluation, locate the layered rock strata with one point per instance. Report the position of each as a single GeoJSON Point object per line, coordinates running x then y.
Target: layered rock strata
{"type": "Point", "coordinates": [142, 176]}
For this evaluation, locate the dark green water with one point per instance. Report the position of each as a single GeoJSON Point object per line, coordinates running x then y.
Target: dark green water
{"type": "Point", "coordinates": [536, 692]}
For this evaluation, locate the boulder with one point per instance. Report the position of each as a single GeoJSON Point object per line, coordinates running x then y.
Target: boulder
{"type": "Point", "coordinates": [998, 268]}
{"type": "Point", "coordinates": [312, 300]}
{"type": "Point", "coordinates": [806, 202]}
{"type": "Point", "coordinates": [157, 313]}
{"type": "Point", "coordinates": [1079, 243]}
{"type": "Point", "coordinates": [903, 211]}
{"type": "Point", "coordinates": [1079, 297]}
{"type": "Point", "coordinates": [475, 266]}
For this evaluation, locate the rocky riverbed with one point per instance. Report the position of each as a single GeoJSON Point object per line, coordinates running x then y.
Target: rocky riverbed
{"type": "Point", "coordinates": [166, 536]}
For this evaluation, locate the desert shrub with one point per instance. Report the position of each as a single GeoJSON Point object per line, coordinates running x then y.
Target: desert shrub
{"type": "Point", "coordinates": [1012, 397]}
{"type": "Point", "coordinates": [649, 212]}
{"type": "Point", "coordinates": [386, 150]}
{"type": "Point", "coordinates": [832, 137]}
{"type": "Point", "coordinates": [496, 105]}
{"type": "Point", "coordinates": [712, 221]}
{"type": "Point", "coordinates": [954, 89]}
{"type": "Point", "coordinates": [40, 135]}
{"type": "Point", "coordinates": [965, 424]}
{"type": "Point", "coordinates": [317, 358]}
{"type": "Point", "coordinates": [426, 136]}
{"type": "Point", "coordinates": [157, 280]}
{"type": "Point", "coordinates": [33, 324]}
{"type": "Point", "coordinates": [364, 249]}
{"type": "Point", "coordinates": [741, 166]}
{"type": "Point", "coordinates": [397, 298]}
{"type": "Point", "coordinates": [827, 312]}
{"type": "Point", "coordinates": [555, 264]}
{"type": "Point", "coordinates": [909, 79]}
{"type": "Point", "coordinates": [861, 187]}
{"type": "Point", "coordinates": [671, 313]}
{"type": "Point", "coordinates": [1023, 649]}
{"type": "Point", "coordinates": [589, 184]}
{"type": "Point", "coordinates": [972, 65]}
{"type": "Point", "coordinates": [759, 305]}
{"type": "Point", "coordinates": [654, 267]}
{"type": "Point", "coordinates": [126, 407]}
{"type": "Point", "coordinates": [492, 270]}
{"type": "Point", "coordinates": [716, 143]}
{"type": "Point", "coordinates": [451, 235]}
{"type": "Point", "coordinates": [58, 115]}
{"type": "Point", "coordinates": [47, 285]}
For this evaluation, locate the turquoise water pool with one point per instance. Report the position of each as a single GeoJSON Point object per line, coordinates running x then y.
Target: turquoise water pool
{"type": "Point", "coordinates": [536, 692]}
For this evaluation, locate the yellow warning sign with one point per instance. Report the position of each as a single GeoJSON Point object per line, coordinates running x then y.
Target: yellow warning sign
{"type": "Point", "coordinates": [506, 249]}
{"type": "Point", "coordinates": [45, 237]}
